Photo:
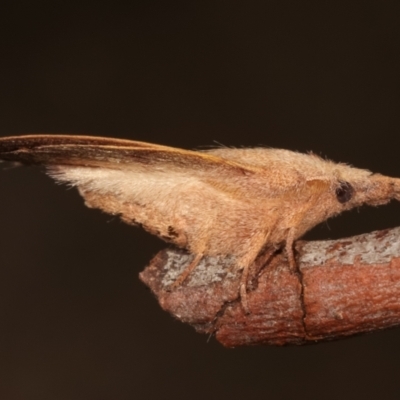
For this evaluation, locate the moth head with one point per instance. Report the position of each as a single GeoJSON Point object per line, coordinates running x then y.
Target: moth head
{"type": "Point", "coordinates": [354, 187]}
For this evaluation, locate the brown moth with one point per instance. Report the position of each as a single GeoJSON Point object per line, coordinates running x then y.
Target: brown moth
{"type": "Point", "coordinates": [238, 202]}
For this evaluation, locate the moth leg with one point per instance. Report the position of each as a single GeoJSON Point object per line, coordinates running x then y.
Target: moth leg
{"type": "Point", "coordinates": [243, 289]}
{"type": "Point", "coordinates": [264, 258]}
{"type": "Point", "coordinates": [289, 249]}
{"type": "Point", "coordinates": [244, 279]}
{"type": "Point", "coordinates": [245, 263]}
{"type": "Point", "coordinates": [182, 277]}
{"type": "Point", "coordinates": [314, 185]}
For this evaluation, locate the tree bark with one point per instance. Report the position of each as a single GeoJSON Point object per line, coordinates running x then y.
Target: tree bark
{"type": "Point", "coordinates": [342, 288]}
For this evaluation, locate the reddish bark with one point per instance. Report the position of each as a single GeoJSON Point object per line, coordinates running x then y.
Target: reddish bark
{"type": "Point", "coordinates": [343, 287]}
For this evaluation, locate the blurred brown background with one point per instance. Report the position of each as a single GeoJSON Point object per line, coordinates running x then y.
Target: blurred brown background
{"type": "Point", "coordinates": [75, 322]}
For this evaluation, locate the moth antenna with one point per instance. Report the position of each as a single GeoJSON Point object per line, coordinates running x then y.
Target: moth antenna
{"type": "Point", "coordinates": [221, 145]}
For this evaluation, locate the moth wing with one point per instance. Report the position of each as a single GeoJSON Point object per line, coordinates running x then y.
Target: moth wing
{"type": "Point", "coordinates": [243, 173]}
{"type": "Point", "coordinates": [162, 188]}
{"type": "Point", "coordinates": [112, 153]}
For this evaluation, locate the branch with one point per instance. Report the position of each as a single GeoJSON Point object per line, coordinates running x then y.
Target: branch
{"type": "Point", "coordinates": [343, 287]}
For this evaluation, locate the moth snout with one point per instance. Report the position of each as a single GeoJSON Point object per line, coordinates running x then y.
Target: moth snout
{"type": "Point", "coordinates": [379, 189]}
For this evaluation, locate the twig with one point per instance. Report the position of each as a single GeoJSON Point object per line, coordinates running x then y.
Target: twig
{"type": "Point", "coordinates": [343, 287]}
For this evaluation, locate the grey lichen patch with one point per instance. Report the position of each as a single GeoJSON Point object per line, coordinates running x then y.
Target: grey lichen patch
{"type": "Point", "coordinates": [209, 270]}
{"type": "Point", "coordinates": [378, 247]}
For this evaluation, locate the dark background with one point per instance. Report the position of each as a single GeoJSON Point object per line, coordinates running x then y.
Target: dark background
{"type": "Point", "coordinates": [75, 322]}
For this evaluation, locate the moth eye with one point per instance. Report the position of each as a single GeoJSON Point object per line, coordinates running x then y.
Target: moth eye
{"type": "Point", "coordinates": [344, 192]}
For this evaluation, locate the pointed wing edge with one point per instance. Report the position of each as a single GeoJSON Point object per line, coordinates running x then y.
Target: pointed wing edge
{"type": "Point", "coordinates": [97, 151]}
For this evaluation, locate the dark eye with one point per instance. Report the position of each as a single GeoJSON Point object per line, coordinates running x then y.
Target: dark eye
{"type": "Point", "coordinates": [344, 192]}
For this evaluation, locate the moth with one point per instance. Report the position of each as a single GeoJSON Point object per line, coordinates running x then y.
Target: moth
{"type": "Point", "coordinates": [225, 201]}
